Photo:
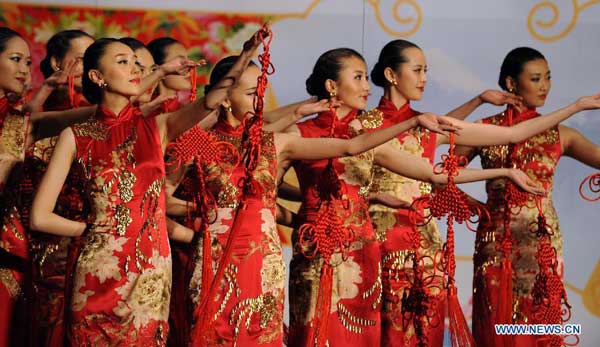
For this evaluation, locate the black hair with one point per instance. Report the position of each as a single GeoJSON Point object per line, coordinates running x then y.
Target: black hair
{"type": "Point", "coordinates": [392, 56]}
{"type": "Point", "coordinates": [58, 46]}
{"type": "Point", "coordinates": [513, 63]}
{"type": "Point", "coordinates": [328, 67]}
{"type": "Point", "coordinates": [6, 34]}
{"type": "Point", "coordinates": [158, 48]}
{"type": "Point", "coordinates": [134, 44]}
{"type": "Point", "coordinates": [91, 60]}
{"type": "Point", "coordinates": [220, 70]}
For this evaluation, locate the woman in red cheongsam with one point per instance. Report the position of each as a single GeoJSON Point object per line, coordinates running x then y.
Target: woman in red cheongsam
{"type": "Point", "coordinates": [524, 72]}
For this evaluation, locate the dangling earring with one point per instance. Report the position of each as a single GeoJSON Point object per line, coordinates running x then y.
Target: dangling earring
{"type": "Point", "coordinates": [332, 94]}
{"type": "Point", "coordinates": [511, 90]}
{"type": "Point", "coordinates": [228, 109]}
{"type": "Point", "coordinates": [102, 84]}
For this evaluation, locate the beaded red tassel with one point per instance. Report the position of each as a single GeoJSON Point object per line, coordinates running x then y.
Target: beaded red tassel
{"type": "Point", "coordinates": [593, 186]}
{"type": "Point", "coordinates": [324, 237]}
{"type": "Point", "coordinates": [550, 305]}
{"type": "Point", "coordinates": [454, 205]}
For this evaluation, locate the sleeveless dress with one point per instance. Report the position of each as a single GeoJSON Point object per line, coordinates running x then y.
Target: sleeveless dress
{"type": "Point", "coordinates": [122, 278]}
{"type": "Point", "coordinates": [538, 157]}
{"type": "Point", "coordinates": [354, 318]}
{"type": "Point", "coordinates": [49, 253]}
{"type": "Point", "coordinates": [393, 226]}
{"type": "Point", "coordinates": [249, 299]}
{"type": "Point", "coordinates": [14, 252]}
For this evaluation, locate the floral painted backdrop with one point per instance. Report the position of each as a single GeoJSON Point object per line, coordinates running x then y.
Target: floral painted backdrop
{"type": "Point", "coordinates": [207, 36]}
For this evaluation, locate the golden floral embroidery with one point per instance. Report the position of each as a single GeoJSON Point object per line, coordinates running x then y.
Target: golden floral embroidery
{"type": "Point", "coordinates": [123, 218]}
{"type": "Point", "coordinates": [12, 136]}
{"type": "Point", "coordinates": [351, 322]}
{"type": "Point", "coordinates": [372, 119]}
{"type": "Point", "coordinates": [9, 282]}
{"type": "Point", "coordinates": [228, 196]}
{"type": "Point", "coordinates": [126, 180]}
{"type": "Point", "coordinates": [92, 128]}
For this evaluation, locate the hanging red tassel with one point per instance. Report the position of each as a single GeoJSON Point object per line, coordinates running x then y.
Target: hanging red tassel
{"type": "Point", "coordinates": [550, 304]}
{"type": "Point", "coordinates": [71, 89]}
{"type": "Point", "coordinates": [453, 204]}
{"type": "Point", "coordinates": [194, 82]}
{"type": "Point", "coordinates": [593, 185]}
{"type": "Point", "coordinates": [251, 149]}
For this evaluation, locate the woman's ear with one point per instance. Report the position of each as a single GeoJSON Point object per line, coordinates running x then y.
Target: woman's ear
{"type": "Point", "coordinates": [96, 76]}
{"type": "Point", "coordinates": [389, 75]}
{"type": "Point", "coordinates": [511, 85]}
{"type": "Point", "coordinates": [331, 86]}
{"type": "Point", "coordinates": [54, 64]}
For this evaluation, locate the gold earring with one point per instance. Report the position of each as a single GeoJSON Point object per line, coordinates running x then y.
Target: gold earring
{"type": "Point", "coordinates": [332, 94]}
{"type": "Point", "coordinates": [511, 90]}
{"type": "Point", "coordinates": [228, 109]}
{"type": "Point", "coordinates": [102, 84]}
{"type": "Point", "coordinates": [394, 82]}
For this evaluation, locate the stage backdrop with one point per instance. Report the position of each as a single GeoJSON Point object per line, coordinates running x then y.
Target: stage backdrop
{"type": "Point", "coordinates": [464, 41]}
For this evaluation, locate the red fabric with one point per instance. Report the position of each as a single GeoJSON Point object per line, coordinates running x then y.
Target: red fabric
{"type": "Point", "coordinates": [504, 264]}
{"type": "Point", "coordinates": [409, 291]}
{"type": "Point", "coordinates": [355, 298]}
{"type": "Point", "coordinates": [244, 242]}
{"type": "Point", "coordinates": [122, 278]}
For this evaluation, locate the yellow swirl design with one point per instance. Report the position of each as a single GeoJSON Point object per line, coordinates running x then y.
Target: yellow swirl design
{"type": "Point", "coordinates": [533, 25]}
{"type": "Point", "coordinates": [416, 22]}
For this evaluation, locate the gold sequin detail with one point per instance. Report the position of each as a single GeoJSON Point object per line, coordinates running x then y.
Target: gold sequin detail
{"type": "Point", "coordinates": [125, 186]}
{"type": "Point", "coordinates": [230, 279]}
{"type": "Point", "coordinates": [425, 188]}
{"type": "Point", "coordinates": [228, 196]}
{"type": "Point", "coordinates": [10, 283]}
{"type": "Point", "coordinates": [351, 322]}
{"type": "Point", "coordinates": [377, 287]}
{"type": "Point", "coordinates": [372, 119]}
{"type": "Point", "coordinates": [123, 217]}
{"type": "Point", "coordinates": [92, 128]}
{"type": "Point", "coordinates": [265, 305]}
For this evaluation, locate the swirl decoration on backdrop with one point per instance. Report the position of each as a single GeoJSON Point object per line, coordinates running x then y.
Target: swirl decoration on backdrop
{"type": "Point", "coordinates": [394, 9]}
{"type": "Point", "coordinates": [534, 25]}
{"type": "Point", "coordinates": [589, 189]}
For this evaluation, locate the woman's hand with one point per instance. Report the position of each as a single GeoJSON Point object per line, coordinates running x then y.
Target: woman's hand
{"type": "Point", "coordinates": [256, 39]}
{"type": "Point", "coordinates": [500, 98]}
{"type": "Point", "coordinates": [524, 182]}
{"type": "Point", "coordinates": [312, 107]}
{"type": "Point", "coordinates": [435, 123]}
{"type": "Point", "coordinates": [591, 102]}
{"type": "Point", "coordinates": [180, 66]}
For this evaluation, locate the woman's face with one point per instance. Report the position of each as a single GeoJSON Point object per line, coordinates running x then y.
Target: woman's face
{"type": "Point", "coordinates": [75, 53]}
{"type": "Point", "coordinates": [146, 64]}
{"type": "Point", "coordinates": [119, 70]}
{"type": "Point", "coordinates": [352, 87]}
{"type": "Point", "coordinates": [411, 76]}
{"type": "Point", "coordinates": [533, 84]}
{"type": "Point", "coordinates": [15, 65]}
{"type": "Point", "coordinates": [242, 95]}
{"type": "Point", "coordinates": [177, 82]}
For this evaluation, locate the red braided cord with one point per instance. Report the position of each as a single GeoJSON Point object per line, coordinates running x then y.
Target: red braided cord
{"type": "Point", "coordinates": [194, 82]}
{"type": "Point", "coordinates": [71, 89]}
